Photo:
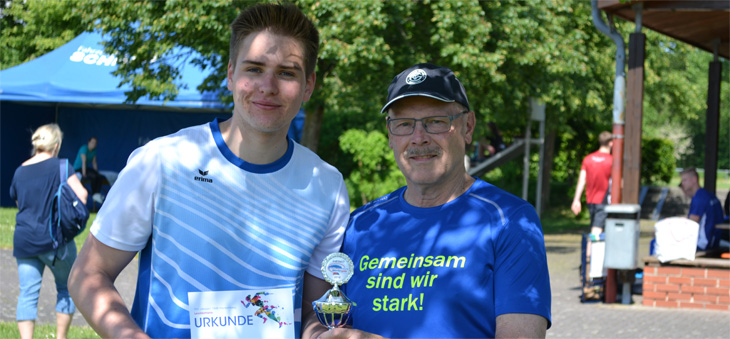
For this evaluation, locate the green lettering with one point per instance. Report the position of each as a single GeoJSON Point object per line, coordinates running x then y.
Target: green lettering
{"type": "Point", "coordinates": [416, 281]}
{"type": "Point", "coordinates": [373, 263]}
{"type": "Point", "coordinates": [412, 303]}
{"type": "Point", "coordinates": [376, 304]}
{"type": "Point", "coordinates": [439, 261]}
{"type": "Point", "coordinates": [386, 281]}
{"type": "Point", "coordinates": [363, 262]}
{"type": "Point", "coordinates": [456, 261]}
{"type": "Point", "coordinates": [394, 305]}
{"type": "Point", "coordinates": [402, 262]}
{"type": "Point", "coordinates": [428, 261]}
{"type": "Point", "coordinates": [398, 281]}
{"type": "Point", "coordinates": [385, 261]}
{"type": "Point", "coordinates": [430, 283]}
{"type": "Point", "coordinates": [371, 282]}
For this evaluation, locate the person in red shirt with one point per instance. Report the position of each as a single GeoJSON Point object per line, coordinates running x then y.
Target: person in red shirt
{"type": "Point", "coordinates": [595, 174]}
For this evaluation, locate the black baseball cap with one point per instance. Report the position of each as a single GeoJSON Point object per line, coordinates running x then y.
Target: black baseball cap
{"type": "Point", "coordinates": [426, 80]}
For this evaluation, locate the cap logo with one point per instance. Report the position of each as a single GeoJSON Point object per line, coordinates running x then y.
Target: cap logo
{"type": "Point", "coordinates": [416, 77]}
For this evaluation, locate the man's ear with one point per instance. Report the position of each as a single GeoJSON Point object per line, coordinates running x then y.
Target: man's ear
{"type": "Point", "coordinates": [470, 124]}
{"type": "Point", "coordinates": [229, 77]}
{"type": "Point", "coordinates": [309, 86]}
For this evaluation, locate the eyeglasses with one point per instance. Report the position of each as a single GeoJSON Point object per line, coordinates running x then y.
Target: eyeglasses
{"type": "Point", "coordinates": [434, 125]}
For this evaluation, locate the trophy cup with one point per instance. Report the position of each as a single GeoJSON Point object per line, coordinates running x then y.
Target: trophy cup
{"type": "Point", "coordinates": [333, 309]}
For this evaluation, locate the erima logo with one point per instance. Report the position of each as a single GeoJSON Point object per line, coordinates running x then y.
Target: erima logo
{"type": "Point", "coordinates": [201, 178]}
{"type": "Point", "coordinates": [416, 77]}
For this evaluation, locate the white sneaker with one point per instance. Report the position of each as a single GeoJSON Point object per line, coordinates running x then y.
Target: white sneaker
{"type": "Point", "coordinates": [98, 198]}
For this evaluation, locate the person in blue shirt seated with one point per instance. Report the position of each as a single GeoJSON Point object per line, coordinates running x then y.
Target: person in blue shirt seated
{"type": "Point", "coordinates": [704, 209]}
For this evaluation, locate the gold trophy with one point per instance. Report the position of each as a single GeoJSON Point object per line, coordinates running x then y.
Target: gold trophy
{"type": "Point", "coordinates": [333, 309]}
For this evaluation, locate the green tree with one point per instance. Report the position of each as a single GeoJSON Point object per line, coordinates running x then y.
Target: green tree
{"type": "Point", "coordinates": [504, 52]}
{"type": "Point", "coordinates": [657, 161]}
{"type": "Point", "coordinates": [33, 28]}
{"type": "Point", "coordinates": [376, 173]}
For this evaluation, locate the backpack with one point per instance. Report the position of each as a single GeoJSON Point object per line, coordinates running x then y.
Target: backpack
{"type": "Point", "coordinates": [68, 214]}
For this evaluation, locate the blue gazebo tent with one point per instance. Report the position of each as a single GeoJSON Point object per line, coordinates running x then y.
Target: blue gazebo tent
{"type": "Point", "coordinates": [74, 87]}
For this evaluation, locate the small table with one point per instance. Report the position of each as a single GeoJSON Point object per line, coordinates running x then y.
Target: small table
{"type": "Point", "coordinates": [723, 226]}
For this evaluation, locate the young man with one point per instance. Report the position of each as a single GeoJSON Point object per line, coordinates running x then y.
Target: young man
{"type": "Point", "coordinates": [705, 209]}
{"type": "Point", "coordinates": [595, 175]}
{"type": "Point", "coordinates": [226, 206]}
{"type": "Point", "coordinates": [448, 255]}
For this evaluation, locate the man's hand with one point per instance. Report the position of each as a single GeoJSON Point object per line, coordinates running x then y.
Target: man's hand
{"type": "Point", "coordinates": [347, 333]}
{"type": "Point", "coordinates": [579, 192]}
{"type": "Point", "coordinates": [575, 207]}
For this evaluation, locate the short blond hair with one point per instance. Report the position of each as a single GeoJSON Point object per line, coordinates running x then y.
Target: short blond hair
{"type": "Point", "coordinates": [690, 170]}
{"type": "Point", "coordinates": [46, 137]}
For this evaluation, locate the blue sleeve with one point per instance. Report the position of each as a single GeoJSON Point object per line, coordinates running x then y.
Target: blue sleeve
{"type": "Point", "coordinates": [698, 205]}
{"type": "Point", "coordinates": [13, 193]}
{"type": "Point", "coordinates": [522, 280]}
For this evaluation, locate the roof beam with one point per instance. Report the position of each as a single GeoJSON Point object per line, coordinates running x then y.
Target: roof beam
{"type": "Point", "coordinates": [686, 6]}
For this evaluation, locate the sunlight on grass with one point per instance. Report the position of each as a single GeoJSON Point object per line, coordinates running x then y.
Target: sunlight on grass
{"type": "Point", "coordinates": [10, 330]}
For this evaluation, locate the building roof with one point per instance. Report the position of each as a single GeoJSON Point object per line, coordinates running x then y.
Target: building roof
{"type": "Point", "coordinates": [696, 22]}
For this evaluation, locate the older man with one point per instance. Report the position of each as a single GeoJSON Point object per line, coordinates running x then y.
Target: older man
{"type": "Point", "coordinates": [448, 255]}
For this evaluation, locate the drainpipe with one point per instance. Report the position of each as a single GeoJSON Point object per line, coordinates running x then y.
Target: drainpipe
{"type": "Point", "coordinates": [619, 95]}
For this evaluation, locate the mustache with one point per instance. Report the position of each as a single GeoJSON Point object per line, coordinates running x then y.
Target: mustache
{"type": "Point", "coordinates": [420, 151]}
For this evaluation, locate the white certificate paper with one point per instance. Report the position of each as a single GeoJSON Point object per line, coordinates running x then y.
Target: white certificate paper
{"type": "Point", "coordinates": [242, 314]}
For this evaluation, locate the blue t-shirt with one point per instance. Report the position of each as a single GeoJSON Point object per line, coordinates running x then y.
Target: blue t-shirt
{"type": "Point", "coordinates": [89, 157]}
{"type": "Point", "coordinates": [33, 187]}
{"type": "Point", "coordinates": [446, 271]}
{"type": "Point", "coordinates": [708, 208]}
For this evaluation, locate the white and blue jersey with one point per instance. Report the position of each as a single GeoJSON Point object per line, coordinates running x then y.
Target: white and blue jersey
{"type": "Point", "coordinates": [205, 220]}
{"type": "Point", "coordinates": [447, 271]}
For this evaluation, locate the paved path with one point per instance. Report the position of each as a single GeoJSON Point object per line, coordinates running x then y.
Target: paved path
{"type": "Point", "coordinates": [571, 318]}
{"type": "Point", "coordinates": [47, 304]}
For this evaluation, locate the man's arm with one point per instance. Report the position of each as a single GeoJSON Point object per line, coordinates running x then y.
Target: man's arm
{"type": "Point", "coordinates": [520, 325]}
{"type": "Point", "coordinates": [579, 192]}
{"type": "Point", "coordinates": [694, 217]}
{"type": "Point", "coordinates": [93, 164]}
{"type": "Point", "coordinates": [91, 284]}
{"type": "Point", "coordinates": [83, 165]}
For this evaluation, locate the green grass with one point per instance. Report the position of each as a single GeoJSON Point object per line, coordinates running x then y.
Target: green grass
{"type": "Point", "coordinates": [561, 220]}
{"type": "Point", "coordinates": [10, 330]}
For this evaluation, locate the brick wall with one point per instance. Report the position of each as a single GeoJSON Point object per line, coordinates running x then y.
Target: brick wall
{"type": "Point", "coordinates": [687, 287]}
